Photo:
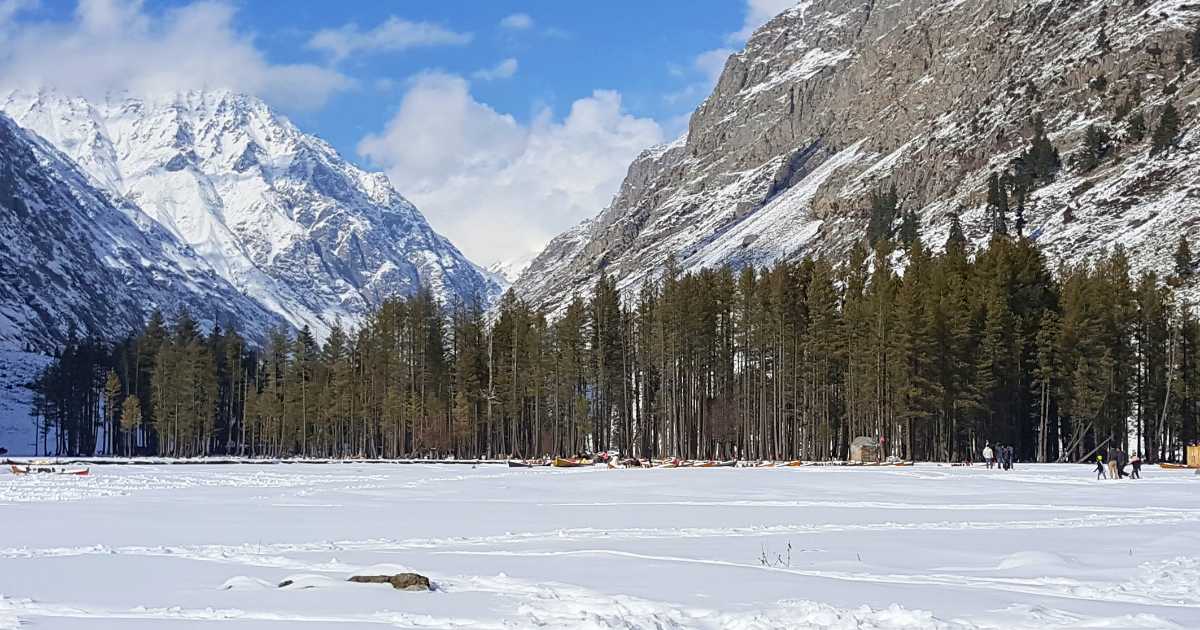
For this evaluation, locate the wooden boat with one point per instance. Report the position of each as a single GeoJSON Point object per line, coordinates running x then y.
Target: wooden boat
{"type": "Point", "coordinates": [48, 469]}
{"type": "Point", "coordinates": [794, 464]}
{"type": "Point", "coordinates": [632, 462]}
{"type": "Point", "coordinates": [714, 464]}
{"type": "Point", "coordinates": [560, 462]}
{"type": "Point", "coordinates": [1172, 466]}
{"type": "Point", "coordinates": [516, 463]}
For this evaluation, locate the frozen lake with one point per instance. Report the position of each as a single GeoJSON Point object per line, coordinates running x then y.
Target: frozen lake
{"type": "Point", "coordinates": [159, 547]}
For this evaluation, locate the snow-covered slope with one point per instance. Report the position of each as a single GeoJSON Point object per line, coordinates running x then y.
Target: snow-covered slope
{"type": "Point", "coordinates": [506, 272]}
{"type": "Point", "coordinates": [73, 258]}
{"type": "Point", "coordinates": [834, 99]}
{"type": "Point", "coordinates": [274, 211]}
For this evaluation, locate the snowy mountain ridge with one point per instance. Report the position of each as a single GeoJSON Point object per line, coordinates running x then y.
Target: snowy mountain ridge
{"type": "Point", "coordinates": [274, 211]}
{"type": "Point", "coordinates": [833, 100]}
{"type": "Point", "coordinates": [75, 259]}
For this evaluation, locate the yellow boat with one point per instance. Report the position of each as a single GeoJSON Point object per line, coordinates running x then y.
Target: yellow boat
{"type": "Point", "coordinates": [560, 462]}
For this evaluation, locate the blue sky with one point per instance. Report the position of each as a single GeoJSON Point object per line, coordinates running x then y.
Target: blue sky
{"type": "Point", "coordinates": [505, 123]}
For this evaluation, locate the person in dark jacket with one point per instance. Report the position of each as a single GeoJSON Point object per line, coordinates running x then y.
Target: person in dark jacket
{"type": "Point", "coordinates": [1100, 467]}
{"type": "Point", "coordinates": [1136, 460]}
{"type": "Point", "coordinates": [1111, 458]}
{"type": "Point", "coordinates": [1122, 462]}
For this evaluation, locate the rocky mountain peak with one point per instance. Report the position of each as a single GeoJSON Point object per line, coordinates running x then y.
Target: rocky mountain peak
{"type": "Point", "coordinates": [276, 212]}
{"type": "Point", "coordinates": [834, 100]}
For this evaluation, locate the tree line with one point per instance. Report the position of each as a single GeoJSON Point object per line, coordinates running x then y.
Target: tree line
{"type": "Point", "coordinates": [789, 361]}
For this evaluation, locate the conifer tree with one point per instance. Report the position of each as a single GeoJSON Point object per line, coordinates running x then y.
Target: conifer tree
{"type": "Point", "coordinates": [1096, 145]}
{"type": "Point", "coordinates": [1167, 130]}
{"type": "Point", "coordinates": [910, 228]}
{"type": "Point", "coordinates": [884, 205]}
{"type": "Point", "coordinates": [997, 203]}
{"type": "Point", "coordinates": [1136, 129]}
{"type": "Point", "coordinates": [1184, 263]}
{"type": "Point", "coordinates": [1102, 43]}
{"type": "Point", "coordinates": [956, 241]}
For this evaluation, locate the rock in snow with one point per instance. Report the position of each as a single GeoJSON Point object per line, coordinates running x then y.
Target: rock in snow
{"type": "Point", "coordinates": [834, 99]}
{"type": "Point", "coordinates": [299, 232]}
{"type": "Point", "coordinates": [400, 581]}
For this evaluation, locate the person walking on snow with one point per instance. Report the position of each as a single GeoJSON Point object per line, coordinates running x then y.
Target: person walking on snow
{"type": "Point", "coordinates": [1136, 460]}
{"type": "Point", "coordinates": [1111, 458]}
{"type": "Point", "coordinates": [989, 455]}
{"type": "Point", "coordinates": [1100, 467]}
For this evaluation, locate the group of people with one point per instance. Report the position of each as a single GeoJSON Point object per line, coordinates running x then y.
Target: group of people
{"type": "Point", "coordinates": [999, 457]}
{"type": "Point", "coordinates": [1117, 460]}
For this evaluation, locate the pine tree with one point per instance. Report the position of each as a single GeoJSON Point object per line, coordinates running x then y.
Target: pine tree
{"type": "Point", "coordinates": [1096, 145]}
{"type": "Point", "coordinates": [1167, 130]}
{"type": "Point", "coordinates": [910, 228]}
{"type": "Point", "coordinates": [956, 241]}
{"type": "Point", "coordinates": [1136, 129]}
{"type": "Point", "coordinates": [1042, 155]}
{"type": "Point", "coordinates": [997, 203]}
{"type": "Point", "coordinates": [1102, 42]}
{"type": "Point", "coordinates": [884, 206]}
{"type": "Point", "coordinates": [1185, 266]}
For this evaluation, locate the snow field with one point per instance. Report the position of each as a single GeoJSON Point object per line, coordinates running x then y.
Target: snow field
{"type": "Point", "coordinates": [923, 547]}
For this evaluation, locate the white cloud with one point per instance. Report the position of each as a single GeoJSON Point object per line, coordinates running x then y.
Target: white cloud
{"type": "Point", "coordinates": [113, 45]}
{"type": "Point", "coordinates": [517, 22]}
{"type": "Point", "coordinates": [497, 188]}
{"type": "Point", "coordinates": [758, 12]}
{"type": "Point", "coordinates": [503, 70]}
{"type": "Point", "coordinates": [393, 34]}
{"type": "Point", "coordinates": [711, 62]}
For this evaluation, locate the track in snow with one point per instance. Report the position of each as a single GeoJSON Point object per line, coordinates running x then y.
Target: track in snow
{"type": "Point", "coordinates": [929, 547]}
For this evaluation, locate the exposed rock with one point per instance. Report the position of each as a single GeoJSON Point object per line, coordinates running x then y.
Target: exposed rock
{"type": "Point", "coordinates": [834, 99]}
{"type": "Point", "coordinates": [400, 581]}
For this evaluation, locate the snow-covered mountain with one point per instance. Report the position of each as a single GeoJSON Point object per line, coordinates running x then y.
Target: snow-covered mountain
{"type": "Point", "coordinates": [272, 210]}
{"type": "Point", "coordinates": [74, 258]}
{"type": "Point", "coordinates": [506, 272]}
{"type": "Point", "coordinates": [834, 99]}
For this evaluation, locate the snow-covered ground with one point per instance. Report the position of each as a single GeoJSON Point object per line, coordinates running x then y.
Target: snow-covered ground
{"type": "Point", "coordinates": [204, 546]}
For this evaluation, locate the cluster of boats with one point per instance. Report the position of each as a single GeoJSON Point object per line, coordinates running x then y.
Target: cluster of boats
{"type": "Point", "coordinates": [633, 462]}
{"type": "Point", "coordinates": [48, 468]}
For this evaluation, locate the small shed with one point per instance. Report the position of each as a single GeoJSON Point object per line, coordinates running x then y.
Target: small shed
{"type": "Point", "coordinates": [1193, 456]}
{"type": "Point", "coordinates": [865, 450]}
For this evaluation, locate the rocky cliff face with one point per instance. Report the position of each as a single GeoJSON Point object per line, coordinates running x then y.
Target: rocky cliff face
{"type": "Point", "coordinates": [73, 258]}
{"type": "Point", "coordinates": [275, 212]}
{"type": "Point", "coordinates": [834, 99]}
